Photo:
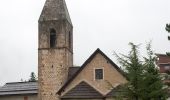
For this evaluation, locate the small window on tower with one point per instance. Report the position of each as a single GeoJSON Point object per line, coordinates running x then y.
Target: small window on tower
{"type": "Point", "coordinates": [70, 42]}
{"type": "Point", "coordinates": [52, 38]}
{"type": "Point", "coordinates": [98, 74]}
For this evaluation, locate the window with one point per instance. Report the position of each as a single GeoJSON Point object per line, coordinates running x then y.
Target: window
{"type": "Point", "coordinates": [167, 67]}
{"type": "Point", "coordinates": [98, 74]}
{"type": "Point", "coordinates": [70, 42]}
{"type": "Point", "coordinates": [52, 38]}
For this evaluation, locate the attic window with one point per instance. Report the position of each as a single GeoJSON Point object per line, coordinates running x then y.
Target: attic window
{"type": "Point", "coordinates": [52, 38]}
{"type": "Point", "coordinates": [98, 74]}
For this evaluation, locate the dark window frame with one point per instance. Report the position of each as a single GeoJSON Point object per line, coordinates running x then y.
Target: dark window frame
{"type": "Point", "coordinates": [53, 38]}
{"type": "Point", "coordinates": [99, 74]}
{"type": "Point", "coordinates": [70, 40]}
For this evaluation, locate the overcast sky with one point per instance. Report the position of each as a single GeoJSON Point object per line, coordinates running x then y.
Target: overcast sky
{"type": "Point", "coordinates": [106, 24]}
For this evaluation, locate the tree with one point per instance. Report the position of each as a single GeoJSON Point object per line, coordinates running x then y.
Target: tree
{"type": "Point", "coordinates": [167, 27]}
{"type": "Point", "coordinates": [134, 72]}
{"type": "Point", "coordinates": [152, 86]}
{"type": "Point", "coordinates": [144, 82]}
{"type": "Point", "coordinates": [33, 77]}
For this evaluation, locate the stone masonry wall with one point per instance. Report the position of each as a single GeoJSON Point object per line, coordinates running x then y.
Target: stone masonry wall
{"type": "Point", "coordinates": [53, 63]}
{"type": "Point", "coordinates": [52, 72]}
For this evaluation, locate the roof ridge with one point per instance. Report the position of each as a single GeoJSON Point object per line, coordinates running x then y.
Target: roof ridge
{"type": "Point", "coordinates": [17, 90]}
{"type": "Point", "coordinates": [21, 82]}
{"type": "Point", "coordinates": [161, 54]}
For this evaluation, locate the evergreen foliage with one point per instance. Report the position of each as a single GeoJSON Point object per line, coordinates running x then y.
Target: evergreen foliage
{"type": "Point", "coordinates": [152, 85]}
{"type": "Point", "coordinates": [134, 71]}
{"type": "Point", "coordinates": [167, 27]}
{"type": "Point", "coordinates": [33, 77]}
{"type": "Point", "coordinates": [144, 82]}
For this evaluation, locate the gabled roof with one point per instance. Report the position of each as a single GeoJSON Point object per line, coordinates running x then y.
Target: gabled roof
{"type": "Point", "coordinates": [82, 90]}
{"type": "Point", "coordinates": [55, 10]}
{"type": "Point", "coordinates": [84, 65]}
{"type": "Point", "coordinates": [72, 71]}
{"type": "Point", "coordinates": [117, 91]}
{"type": "Point", "coordinates": [19, 88]}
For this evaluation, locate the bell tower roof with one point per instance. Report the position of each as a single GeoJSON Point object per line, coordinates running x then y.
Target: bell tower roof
{"type": "Point", "coordinates": [55, 10]}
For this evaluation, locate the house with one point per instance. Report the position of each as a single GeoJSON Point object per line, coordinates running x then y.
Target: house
{"type": "Point", "coordinates": [163, 62]}
{"type": "Point", "coordinates": [58, 79]}
{"type": "Point", "coordinates": [19, 91]}
{"type": "Point", "coordinates": [95, 79]}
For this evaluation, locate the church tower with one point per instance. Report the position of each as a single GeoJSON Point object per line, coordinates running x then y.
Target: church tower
{"type": "Point", "coordinates": [55, 50]}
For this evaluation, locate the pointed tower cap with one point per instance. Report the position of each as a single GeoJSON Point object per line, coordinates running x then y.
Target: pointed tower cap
{"type": "Point", "coordinates": [55, 10]}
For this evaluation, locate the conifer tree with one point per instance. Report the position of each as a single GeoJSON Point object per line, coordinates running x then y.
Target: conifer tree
{"type": "Point", "coordinates": [33, 77]}
{"type": "Point", "coordinates": [134, 72]}
{"type": "Point", "coordinates": [167, 27]}
{"type": "Point", "coordinates": [144, 81]}
{"type": "Point", "coordinates": [152, 86]}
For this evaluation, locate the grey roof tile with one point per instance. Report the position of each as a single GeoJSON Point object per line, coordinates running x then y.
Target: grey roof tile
{"type": "Point", "coordinates": [19, 88]}
{"type": "Point", "coordinates": [72, 71]}
{"type": "Point", "coordinates": [82, 91]}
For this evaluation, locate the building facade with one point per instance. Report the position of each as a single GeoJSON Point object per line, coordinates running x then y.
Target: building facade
{"type": "Point", "coordinates": [163, 62]}
{"type": "Point", "coordinates": [55, 52]}
{"type": "Point", "coordinates": [19, 91]}
{"type": "Point", "coordinates": [58, 79]}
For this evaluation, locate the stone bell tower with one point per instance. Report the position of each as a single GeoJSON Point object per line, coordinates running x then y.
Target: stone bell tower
{"type": "Point", "coordinates": [55, 52]}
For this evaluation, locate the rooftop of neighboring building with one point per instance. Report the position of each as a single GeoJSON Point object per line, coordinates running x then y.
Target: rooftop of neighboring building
{"type": "Point", "coordinates": [163, 59]}
{"type": "Point", "coordinates": [19, 88]}
{"type": "Point", "coordinates": [163, 62]}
